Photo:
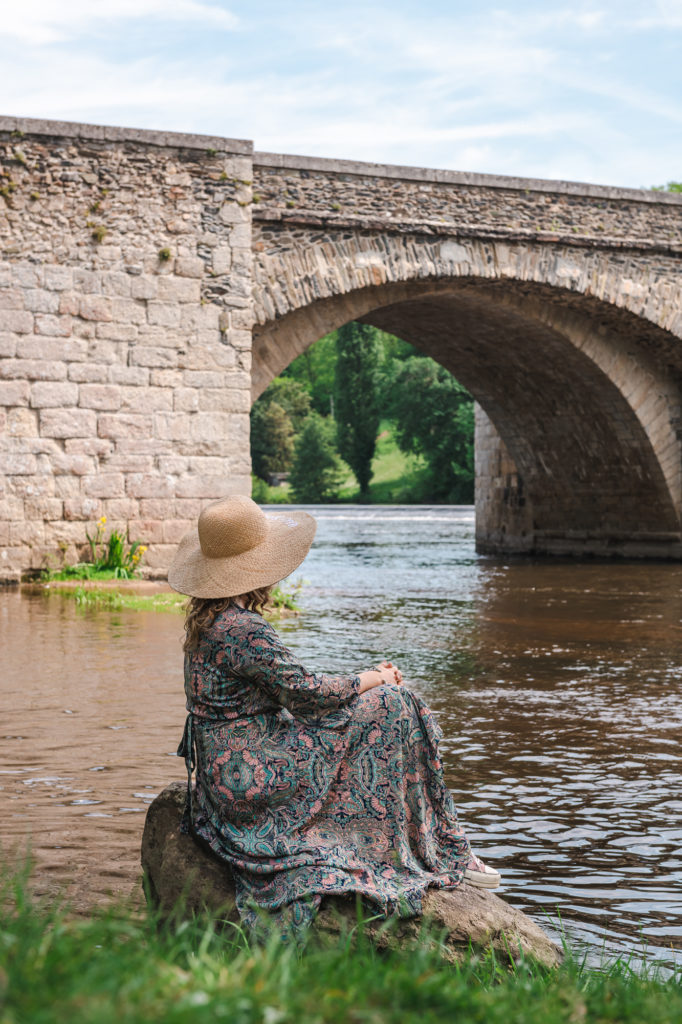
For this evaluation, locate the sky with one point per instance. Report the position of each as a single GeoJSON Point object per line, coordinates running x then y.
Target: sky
{"type": "Point", "coordinates": [581, 91]}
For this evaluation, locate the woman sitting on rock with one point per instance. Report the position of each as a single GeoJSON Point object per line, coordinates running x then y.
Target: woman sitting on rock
{"type": "Point", "coordinates": [307, 785]}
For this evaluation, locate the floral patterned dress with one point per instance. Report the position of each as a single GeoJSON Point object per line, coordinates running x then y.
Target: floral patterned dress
{"type": "Point", "coordinates": [307, 788]}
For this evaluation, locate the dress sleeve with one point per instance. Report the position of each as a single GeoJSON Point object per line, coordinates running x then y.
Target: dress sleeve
{"type": "Point", "coordinates": [316, 698]}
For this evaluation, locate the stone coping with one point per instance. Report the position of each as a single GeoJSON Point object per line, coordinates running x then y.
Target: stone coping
{"type": "Point", "coordinates": [443, 177]}
{"type": "Point", "coordinates": [112, 133]}
{"type": "Point", "coordinates": [326, 165]}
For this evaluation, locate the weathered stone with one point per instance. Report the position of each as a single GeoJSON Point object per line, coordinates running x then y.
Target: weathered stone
{"type": "Point", "coordinates": [182, 878]}
{"type": "Point", "coordinates": [32, 369]}
{"type": "Point", "coordinates": [14, 392]}
{"type": "Point", "coordinates": [124, 425]}
{"type": "Point", "coordinates": [67, 423]}
{"type": "Point", "coordinates": [82, 509]}
{"type": "Point", "coordinates": [95, 307]}
{"type": "Point", "coordinates": [87, 373]}
{"type": "Point", "coordinates": [39, 300]}
{"type": "Point", "coordinates": [104, 485]}
{"type": "Point", "coordinates": [53, 326]}
{"type": "Point", "coordinates": [189, 266]}
{"type": "Point", "coordinates": [99, 396]}
{"type": "Point", "coordinates": [52, 393]}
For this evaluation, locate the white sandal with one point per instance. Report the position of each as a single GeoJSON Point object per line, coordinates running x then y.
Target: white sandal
{"type": "Point", "coordinates": [487, 878]}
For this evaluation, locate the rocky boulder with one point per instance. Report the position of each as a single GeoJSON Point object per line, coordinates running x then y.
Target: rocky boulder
{"type": "Point", "coordinates": [180, 874]}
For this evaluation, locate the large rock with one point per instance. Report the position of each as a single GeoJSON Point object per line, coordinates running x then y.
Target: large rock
{"type": "Point", "coordinates": [182, 877]}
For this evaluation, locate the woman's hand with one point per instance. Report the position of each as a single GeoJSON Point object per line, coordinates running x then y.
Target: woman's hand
{"type": "Point", "coordinates": [386, 672]}
{"type": "Point", "coordinates": [395, 675]}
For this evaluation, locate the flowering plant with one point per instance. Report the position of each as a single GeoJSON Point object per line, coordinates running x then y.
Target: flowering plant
{"type": "Point", "coordinates": [116, 554]}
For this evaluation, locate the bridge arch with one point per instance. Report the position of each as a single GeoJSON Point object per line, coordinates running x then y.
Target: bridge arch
{"type": "Point", "coordinates": [573, 354]}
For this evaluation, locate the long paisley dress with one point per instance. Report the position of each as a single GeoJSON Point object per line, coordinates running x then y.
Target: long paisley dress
{"type": "Point", "coordinates": [307, 788]}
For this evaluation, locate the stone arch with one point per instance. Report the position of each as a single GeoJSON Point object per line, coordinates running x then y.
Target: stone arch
{"type": "Point", "coordinates": [573, 354]}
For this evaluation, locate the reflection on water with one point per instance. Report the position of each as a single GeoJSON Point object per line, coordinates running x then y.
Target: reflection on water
{"type": "Point", "coordinates": [557, 687]}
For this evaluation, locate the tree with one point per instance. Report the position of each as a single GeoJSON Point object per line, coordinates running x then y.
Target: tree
{"type": "Point", "coordinates": [291, 395]}
{"type": "Point", "coordinates": [356, 394]}
{"type": "Point", "coordinates": [276, 416]}
{"type": "Point", "coordinates": [434, 417]}
{"type": "Point", "coordinates": [316, 471]}
{"type": "Point", "coordinates": [272, 440]}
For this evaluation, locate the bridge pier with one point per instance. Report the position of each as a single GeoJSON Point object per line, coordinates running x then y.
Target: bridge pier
{"type": "Point", "coordinates": [508, 524]}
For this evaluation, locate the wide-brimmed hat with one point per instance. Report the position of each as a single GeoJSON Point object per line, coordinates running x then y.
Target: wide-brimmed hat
{"type": "Point", "coordinates": [237, 548]}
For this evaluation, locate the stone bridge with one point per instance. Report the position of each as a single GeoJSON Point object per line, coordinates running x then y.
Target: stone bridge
{"type": "Point", "coordinates": [152, 283]}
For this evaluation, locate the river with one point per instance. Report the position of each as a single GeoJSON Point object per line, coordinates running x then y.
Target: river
{"type": "Point", "coordinates": [557, 685]}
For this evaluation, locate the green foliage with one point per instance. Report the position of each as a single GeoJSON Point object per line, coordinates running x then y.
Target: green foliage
{"type": "Point", "coordinates": [285, 597]}
{"type": "Point", "coordinates": [164, 254]}
{"type": "Point", "coordinates": [672, 186]}
{"type": "Point", "coordinates": [117, 553]}
{"type": "Point", "coordinates": [292, 396]}
{"type": "Point", "coordinates": [114, 558]}
{"type": "Point", "coordinates": [315, 370]}
{"type": "Point", "coordinates": [117, 600]}
{"type": "Point", "coordinates": [434, 418]}
{"type": "Point", "coordinates": [278, 413]}
{"type": "Point", "coordinates": [123, 965]}
{"type": "Point", "coordinates": [356, 398]}
{"type": "Point", "coordinates": [316, 471]}
{"type": "Point", "coordinates": [264, 494]}
{"type": "Point", "coordinates": [99, 232]}
{"type": "Point", "coordinates": [397, 477]}
{"type": "Point", "coordinates": [272, 439]}
{"type": "Point", "coordinates": [405, 474]}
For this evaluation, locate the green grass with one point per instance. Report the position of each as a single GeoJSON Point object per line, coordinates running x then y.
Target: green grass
{"type": "Point", "coordinates": [283, 600]}
{"type": "Point", "coordinates": [81, 571]}
{"type": "Point", "coordinates": [123, 967]}
{"type": "Point", "coordinates": [397, 478]}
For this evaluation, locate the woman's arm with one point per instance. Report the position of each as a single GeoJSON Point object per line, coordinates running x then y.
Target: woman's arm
{"type": "Point", "coordinates": [386, 672]}
{"type": "Point", "coordinates": [261, 657]}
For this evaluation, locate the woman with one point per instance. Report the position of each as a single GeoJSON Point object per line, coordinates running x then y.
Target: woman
{"type": "Point", "coordinates": [306, 785]}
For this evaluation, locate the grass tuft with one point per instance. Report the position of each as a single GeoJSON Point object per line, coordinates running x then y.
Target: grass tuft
{"type": "Point", "coordinates": [125, 965]}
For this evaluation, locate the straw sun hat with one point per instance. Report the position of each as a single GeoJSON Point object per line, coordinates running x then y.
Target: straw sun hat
{"type": "Point", "coordinates": [238, 548]}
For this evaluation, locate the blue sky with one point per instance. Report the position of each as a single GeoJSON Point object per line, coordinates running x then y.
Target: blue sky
{"type": "Point", "coordinates": [585, 91]}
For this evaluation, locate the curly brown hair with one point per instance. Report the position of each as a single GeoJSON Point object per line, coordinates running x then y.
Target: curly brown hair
{"type": "Point", "coordinates": [202, 612]}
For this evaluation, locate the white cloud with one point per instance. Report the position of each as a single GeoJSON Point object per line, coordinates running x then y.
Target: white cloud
{"type": "Point", "coordinates": [538, 94]}
{"type": "Point", "coordinates": [41, 22]}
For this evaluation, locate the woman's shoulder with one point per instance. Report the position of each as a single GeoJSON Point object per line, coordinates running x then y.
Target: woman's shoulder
{"type": "Point", "coordinates": [237, 621]}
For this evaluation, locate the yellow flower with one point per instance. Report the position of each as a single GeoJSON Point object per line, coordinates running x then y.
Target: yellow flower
{"type": "Point", "coordinates": [102, 520]}
{"type": "Point", "coordinates": [143, 549]}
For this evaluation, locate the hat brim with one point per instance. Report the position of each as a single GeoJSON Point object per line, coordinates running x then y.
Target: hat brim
{"type": "Point", "coordinates": [285, 546]}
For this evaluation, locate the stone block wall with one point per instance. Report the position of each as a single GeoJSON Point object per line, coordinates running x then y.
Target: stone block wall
{"type": "Point", "coordinates": [125, 334]}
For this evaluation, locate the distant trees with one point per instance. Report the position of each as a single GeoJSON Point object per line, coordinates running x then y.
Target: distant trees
{"type": "Point", "coordinates": [356, 398]}
{"type": "Point", "coordinates": [334, 399]}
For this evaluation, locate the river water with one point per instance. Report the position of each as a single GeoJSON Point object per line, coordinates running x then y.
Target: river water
{"type": "Point", "coordinates": [557, 685]}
